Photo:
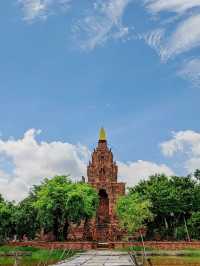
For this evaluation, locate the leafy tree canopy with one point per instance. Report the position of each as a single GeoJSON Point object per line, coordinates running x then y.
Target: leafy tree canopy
{"type": "Point", "coordinates": [60, 202]}
{"type": "Point", "coordinates": [169, 195]}
{"type": "Point", "coordinates": [6, 221]}
{"type": "Point", "coordinates": [25, 218]}
{"type": "Point", "coordinates": [197, 174]}
{"type": "Point", "coordinates": [1, 198]}
{"type": "Point", "coordinates": [173, 200]}
{"type": "Point", "coordinates": [133, 212]}
{"type": "Point", "coordinates": [194, 225]}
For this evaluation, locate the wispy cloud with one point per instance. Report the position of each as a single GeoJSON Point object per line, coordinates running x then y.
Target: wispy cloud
{"type": "Point", "coordinates": [174, 31]}
{"type": "Point", "coordinates": [103, 22]}
{"type": "Point", "coordinates": [41, 9]}
{"type": "Point", "coordinates": [177, 6]}
{"type": "Point", "coordinates": [154, 39]}
{"type": "Point", "coordinates": [34, 9]}
{"type": "Point", "coordinates": [191, 71]}
{"type": "Point", "coordinates": [179, 36]}
{"type": "Point", "coordinates": [185, 37]}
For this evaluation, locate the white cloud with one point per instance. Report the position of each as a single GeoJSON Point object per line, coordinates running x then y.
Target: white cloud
{"type": "Point", "coordinates": [33, 160]}
{"type": "Point", "coordinates": [178, 6]}
{"type": "Point", "coordinates": [191, 71]}
{"type": "Point", "coordinates": [154, 39]}
{"type": "Point", "coordinates": [177, 37]}
{"type": "Point", "coordinates": [133, 172]}
{"type": "Point", "coordinates": [186, 143]}
{"type": "Point", "coordinates": [41, 9]}
{"type": "Point", "coordinates": [181, 38]}
{"type": "Point", "coordinates": [180, 141]}
{"type": "Point", "coordinates": [104, 22]}
{"type": "Point", "coordinates": [184, 38]}
{"type": "Point", "coordinates": [181, 33]}
{"type": "Point", "coordinates": [34, 8]}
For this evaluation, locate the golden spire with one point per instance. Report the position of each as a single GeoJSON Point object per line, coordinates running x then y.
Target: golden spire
{"type": "Point", "coordinates": [102, 134]}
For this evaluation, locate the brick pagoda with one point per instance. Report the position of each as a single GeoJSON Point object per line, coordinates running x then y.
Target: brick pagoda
{"type": "Point", "coordinates": [102, 175]}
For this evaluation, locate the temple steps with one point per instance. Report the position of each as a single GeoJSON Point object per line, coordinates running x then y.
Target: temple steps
{"type": "Point", "coordinates": [103, 245]}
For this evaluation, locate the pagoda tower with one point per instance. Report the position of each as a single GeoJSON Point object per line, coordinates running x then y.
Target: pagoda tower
{"type": "Point", "coordinates": [102, 175]}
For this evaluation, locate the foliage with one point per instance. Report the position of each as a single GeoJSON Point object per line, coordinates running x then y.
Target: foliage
{"type": "Point", "coordinates": [169, 195]}
{"type": "Point", "coordinates": [197, 174]}
{"type": "Point", "coordinates": [1, 199]}
{"type": "Point", "coordinates": [82, 203]}
{"type": "Point", "coordinates": [50, 207]}
{"type": "Point", "coordinates": [181, 233]}
{"type": "Point", "coordinates": [194, 225]}
{"type": "Point", "coordinates": [60, 202]}
{"type": "Point", "coordinates": [173, 201]}
{"type": "Point", "coordinates": [25, 218]}
{"type": "Point", "coordinates": [6, 221]}
{"type": "Point", "coordinates": [133, 212]}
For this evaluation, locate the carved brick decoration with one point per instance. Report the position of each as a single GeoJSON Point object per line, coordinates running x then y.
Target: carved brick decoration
{"type": "Point", "coordinates": [102, 175]}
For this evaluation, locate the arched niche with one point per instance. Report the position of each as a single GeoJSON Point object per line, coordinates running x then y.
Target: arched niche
{"type": "Point", "coordinates": [103, 210]}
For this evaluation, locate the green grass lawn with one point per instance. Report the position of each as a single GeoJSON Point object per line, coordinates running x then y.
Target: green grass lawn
{"type": "Point", "coordinates": [186, 257]}
{"type": "Point", "coordinates": [189, 252]}
{"type": "Point", "coordinates": [34, 255]}
{"type": "Point", "coordinates": [192, 252]}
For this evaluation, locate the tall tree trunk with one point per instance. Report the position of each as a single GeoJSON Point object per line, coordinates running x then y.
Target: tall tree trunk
{"type": "Point", "coordinates": [55, 229]}
{"type": "Point", "coordinates": [65, 230]}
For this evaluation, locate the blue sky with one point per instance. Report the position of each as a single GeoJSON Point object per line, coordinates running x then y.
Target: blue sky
{"type": "Point", "coordinates": [68, 67]}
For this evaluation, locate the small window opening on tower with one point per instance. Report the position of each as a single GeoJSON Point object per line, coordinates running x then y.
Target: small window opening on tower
{"type": "Point", "coordinates": [102, 171]}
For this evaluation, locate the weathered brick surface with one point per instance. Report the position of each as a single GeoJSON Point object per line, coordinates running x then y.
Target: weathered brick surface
{"type": "Point", "coordinates": [112, 245]}
{"type": "Point", "coordinates": [57, 245]}
{"type": "Point", "coordinates": [102, 175]}
{"type": "Point", "coordinates": [160, 245]}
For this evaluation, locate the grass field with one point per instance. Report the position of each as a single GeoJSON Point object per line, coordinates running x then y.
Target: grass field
{"type": "Point", "coordinates": [184, 252]}
{"type": "Point", "coordinates": [34, 255]}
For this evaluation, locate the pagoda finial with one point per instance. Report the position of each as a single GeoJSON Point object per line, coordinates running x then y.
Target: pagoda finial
{"type": "Point", "coordinates": [102, 134]}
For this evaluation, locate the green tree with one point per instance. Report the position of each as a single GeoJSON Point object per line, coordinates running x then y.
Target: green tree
{"type": "Point", "coordinates": [133, 212]}
{"type": "Point", "coordinates": [197, 174]}
{"type": "Point", "coordinates": [25, 218]}
{"type": "Point", "coordinates": [60, 202]}
{"type": "Point", "coordinates": [194, 225]}
{"type": "Point", "coordinates": [173, 200]}
{"type": "Point", "coordinates": [1, 198]}
{"type": "Point", "coordinates": [6, 220]}
{"type": "Point", "coordinates": [82, 203]}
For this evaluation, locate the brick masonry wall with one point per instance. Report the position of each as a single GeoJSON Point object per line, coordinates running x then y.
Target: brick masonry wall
{"type": "Point", "coordinates": [160, 245]}
{"type": "Point", "coordinates": [93, 245]}
{"type": "Point", "coordinates": [56, 245]}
